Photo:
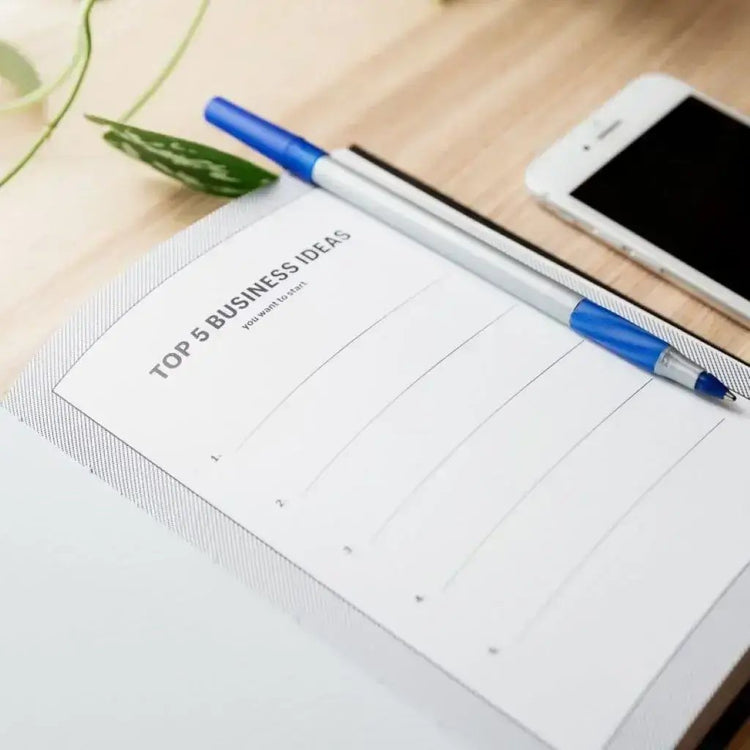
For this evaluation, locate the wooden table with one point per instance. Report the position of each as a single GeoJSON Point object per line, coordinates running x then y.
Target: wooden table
{"type": "Point", "coordinates": [461, 95]}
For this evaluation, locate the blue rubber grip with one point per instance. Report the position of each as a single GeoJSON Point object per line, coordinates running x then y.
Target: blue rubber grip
{"type": "Point", "coordinates": [286, 149]}
{"type": "Point", "coordinates": [616, 334]}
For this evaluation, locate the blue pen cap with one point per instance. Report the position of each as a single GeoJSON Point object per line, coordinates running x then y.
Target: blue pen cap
{"type": "Point", "coordinates": [288, 150]}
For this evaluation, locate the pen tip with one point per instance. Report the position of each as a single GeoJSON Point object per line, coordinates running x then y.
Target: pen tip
{"type": "Point", "coordinates": [709, 385]}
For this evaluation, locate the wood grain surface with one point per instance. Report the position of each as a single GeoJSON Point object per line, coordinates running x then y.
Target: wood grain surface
{"type": "Point", "coordinates": [462, 95]}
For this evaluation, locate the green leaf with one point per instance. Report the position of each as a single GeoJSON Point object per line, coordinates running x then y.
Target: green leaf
{"type": "Point", "coordinates": [195, 165]}
{"type": "Point", "coordinates": [17, 70]}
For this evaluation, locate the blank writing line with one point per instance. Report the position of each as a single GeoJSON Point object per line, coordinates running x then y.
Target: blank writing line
{"type": "Point", "coordinates": [404, 502]}
{"type": "Point", "coordinates": [549, 471]}
{"type": "Point", "coordinates": [568, 578]}
{"type": "Point", "coordinates": [333, 356]}
{"type": "Point", "coordinates": [399, 395]}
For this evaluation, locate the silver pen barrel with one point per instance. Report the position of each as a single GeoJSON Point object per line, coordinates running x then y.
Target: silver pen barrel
{"type": "Point", "coordinates": [462, 249]}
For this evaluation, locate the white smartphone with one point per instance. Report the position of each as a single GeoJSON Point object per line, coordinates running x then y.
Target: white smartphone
{"type": "Point", "coordinates": [662, 173]}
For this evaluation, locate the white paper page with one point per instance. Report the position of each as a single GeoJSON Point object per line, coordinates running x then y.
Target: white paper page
{"type": "Point", "coordinates": [518, 505]}
{"type": "Point", "coordinates": [117, 634]}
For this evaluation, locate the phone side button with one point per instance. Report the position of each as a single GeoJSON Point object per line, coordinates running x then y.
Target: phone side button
{"type": "Point", "coordinates": [591, 229]}
{"type": "Point", "coordinates": [569, 218]}
{"type": "Point", "coordinates": [647, 263]}
{"type": "Point", "coordinates": [611, 241]}
{"type": "Point", "coordinates": [623, 248]}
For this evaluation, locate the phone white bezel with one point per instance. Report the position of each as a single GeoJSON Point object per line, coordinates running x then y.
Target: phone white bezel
{"type": "Point", "coordinates": [589, 146]}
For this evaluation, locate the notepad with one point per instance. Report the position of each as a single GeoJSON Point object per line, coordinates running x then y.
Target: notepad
{"type": "Point", "coordinates": [109, 620]}
{"type": "Point", "coordinates": [541, 522]}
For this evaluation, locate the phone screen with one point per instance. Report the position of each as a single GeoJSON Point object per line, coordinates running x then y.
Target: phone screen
{"type": "Point", "coordinates": [684, 185]}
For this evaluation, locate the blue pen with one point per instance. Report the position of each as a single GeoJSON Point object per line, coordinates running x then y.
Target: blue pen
{"type": "Point", "coordinates": [596, 323]}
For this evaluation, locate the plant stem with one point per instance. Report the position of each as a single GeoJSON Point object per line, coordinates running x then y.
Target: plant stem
{"type": "Point", "coordinates": [170, 66]}
{"type": "Point", "coordinates": [43, 91]}
{"type": "Point", "coordinates": [85, 57]}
